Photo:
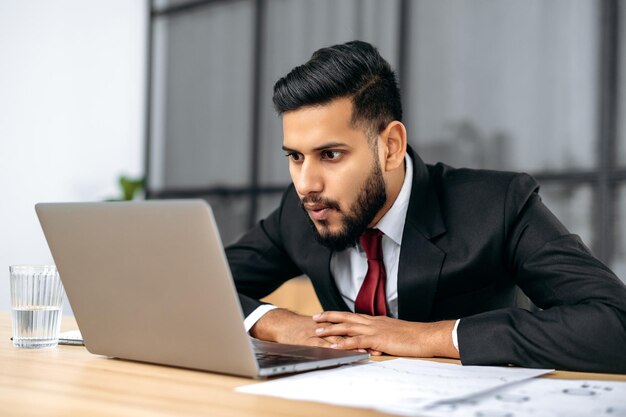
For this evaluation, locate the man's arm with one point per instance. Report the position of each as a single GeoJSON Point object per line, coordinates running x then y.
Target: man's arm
{"type": "Point", "coordinates": [583, 322]}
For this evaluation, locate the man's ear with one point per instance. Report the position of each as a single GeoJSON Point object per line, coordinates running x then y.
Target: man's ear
{"type": "Point", "coordinates": [393, 144]}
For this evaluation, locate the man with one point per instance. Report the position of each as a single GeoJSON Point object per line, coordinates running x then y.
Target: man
{"type": "Point", "coordinates": [411, 259]}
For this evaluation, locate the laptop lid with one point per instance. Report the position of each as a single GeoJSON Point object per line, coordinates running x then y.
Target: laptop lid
{"type": "Point", "coordinates": [149, 281]}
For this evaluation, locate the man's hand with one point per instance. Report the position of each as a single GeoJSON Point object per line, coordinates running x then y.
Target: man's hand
{"type": "Point", "coordinates": [387, 335]}
{"type": "Point", "coordinates": [284, 326]}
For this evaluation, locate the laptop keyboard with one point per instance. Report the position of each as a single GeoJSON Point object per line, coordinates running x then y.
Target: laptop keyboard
{"type": "Point", "coordinates": [269, 360]}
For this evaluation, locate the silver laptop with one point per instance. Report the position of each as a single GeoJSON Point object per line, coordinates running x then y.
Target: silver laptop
{"type": "Point", "coordinates": [149, 281]}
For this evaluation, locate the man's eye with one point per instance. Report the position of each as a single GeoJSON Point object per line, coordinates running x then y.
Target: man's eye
{"type": "Point", "coordinates": [331, 155]}
{"type": "Point", "coordinates": [294, 156]}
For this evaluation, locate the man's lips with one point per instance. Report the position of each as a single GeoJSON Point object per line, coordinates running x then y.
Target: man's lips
{"type": "Point", "coordinates": [317, 211]}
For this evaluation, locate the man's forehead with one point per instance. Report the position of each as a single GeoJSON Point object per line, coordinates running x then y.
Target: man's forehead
{"type": "Point", "coordinates": [316, 126]}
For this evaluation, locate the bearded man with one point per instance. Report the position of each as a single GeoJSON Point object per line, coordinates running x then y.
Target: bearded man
{"type": "Point", "coordinates": [411, 259]}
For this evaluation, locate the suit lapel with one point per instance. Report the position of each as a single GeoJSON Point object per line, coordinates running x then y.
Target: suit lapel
{"type": "Point", "coordinates": [418, 275]}
{"type": "Point", "coordinates": [420, 259]}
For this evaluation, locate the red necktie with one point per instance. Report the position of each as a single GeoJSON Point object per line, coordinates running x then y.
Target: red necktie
{"type": "Point", "coordinates": [371, 299]}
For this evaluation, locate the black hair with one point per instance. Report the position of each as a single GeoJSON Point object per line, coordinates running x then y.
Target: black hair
{"type": "Point", "coordinates": [355, 70]}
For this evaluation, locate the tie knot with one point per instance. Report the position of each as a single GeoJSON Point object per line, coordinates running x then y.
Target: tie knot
{"type": "Point", "coordinates": [371, 242]}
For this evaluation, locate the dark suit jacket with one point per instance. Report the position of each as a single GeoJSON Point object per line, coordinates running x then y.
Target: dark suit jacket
{"type": "Point", "coordinates": [471, 239]}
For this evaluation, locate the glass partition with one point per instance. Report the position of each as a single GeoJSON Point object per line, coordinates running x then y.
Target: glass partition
{"type": "Point", "coordinates": [519, 85]}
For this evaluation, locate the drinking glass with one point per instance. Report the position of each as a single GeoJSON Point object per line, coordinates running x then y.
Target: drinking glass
{"type": "Point", "coordinates": [36, 305]}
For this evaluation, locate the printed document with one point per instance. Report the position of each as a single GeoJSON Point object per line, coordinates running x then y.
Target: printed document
{"type": "Point", "coordinates": [401, 386]}
{"type": "Point", "coordinates": [542, 398]}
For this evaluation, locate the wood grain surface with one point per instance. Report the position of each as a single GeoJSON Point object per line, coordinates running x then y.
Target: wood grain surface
{"type": "Point", "coordinates": [69, 381]}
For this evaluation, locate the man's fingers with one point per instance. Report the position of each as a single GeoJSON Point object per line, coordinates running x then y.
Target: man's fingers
{"type": "Point", "coordinates": [332, 339]}
{"type": "Point", "coordinates": [318, 341]}
{"type": "Point", "coordinates": [340, 317]}
{"type": "Point", "coordinates": [341, 329]}
{"type": "Point", "coordinates": [353, 343]}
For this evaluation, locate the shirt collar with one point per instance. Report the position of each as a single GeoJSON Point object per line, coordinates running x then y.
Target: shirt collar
{"type": "Point", "coordinates": [392, 223]}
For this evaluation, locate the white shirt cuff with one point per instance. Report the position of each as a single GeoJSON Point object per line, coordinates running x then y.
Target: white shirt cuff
{"type": "Point", "coordinates": [455, 337]}
{"type": "Point", "coordinates": [256, 315]}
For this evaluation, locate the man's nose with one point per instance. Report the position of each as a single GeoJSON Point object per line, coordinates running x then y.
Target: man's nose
{"type": "Point", "coordinates": [310, 180]}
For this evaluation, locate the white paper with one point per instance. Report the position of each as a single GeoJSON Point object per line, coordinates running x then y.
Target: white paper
{"type": "Point", "coordinates": [401, 386]}
{"type": "Point", "coordinates": [543, 398]}
{"type": "Point", "coordinates": [72, 337]}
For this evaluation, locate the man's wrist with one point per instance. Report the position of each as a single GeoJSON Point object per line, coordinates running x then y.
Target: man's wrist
{"type": "Point", "coordinates": [256, 315]}
{"type": "Point", "coordinates": [266, 327]}
{"type": "Point", "coordinates": [442, 341]}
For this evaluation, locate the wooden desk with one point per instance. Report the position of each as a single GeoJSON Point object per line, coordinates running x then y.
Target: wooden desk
{"type": "Point", "coordinates": [69, 381]}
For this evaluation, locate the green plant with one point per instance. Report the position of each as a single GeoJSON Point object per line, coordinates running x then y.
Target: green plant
{"type": "Point", "coordinates": [130, 187]}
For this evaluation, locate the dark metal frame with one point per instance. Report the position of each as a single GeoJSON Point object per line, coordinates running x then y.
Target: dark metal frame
{"type": "Point", "coordinates": [258, 35]}
{"type": "Point", "coordinates": [604, 216]}
{"type": "Point", "coordinates": [180, 7]}
{"type": "Point", "coordinates": [604, 179]}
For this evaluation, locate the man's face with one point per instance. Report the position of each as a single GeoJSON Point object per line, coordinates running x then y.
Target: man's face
{"type": "Point", "coordinates": [335, 170]}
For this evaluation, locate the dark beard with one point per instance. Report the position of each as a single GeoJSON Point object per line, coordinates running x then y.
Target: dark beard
{"type": "Point", "coordinates": [370, 201]}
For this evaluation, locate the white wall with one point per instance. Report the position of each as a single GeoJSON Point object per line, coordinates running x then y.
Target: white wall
{"type": "Point", "coordinates": [71, 111]}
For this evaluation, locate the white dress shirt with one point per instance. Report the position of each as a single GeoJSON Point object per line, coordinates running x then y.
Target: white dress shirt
{"type": "Point", "coordinates": [350, 265]}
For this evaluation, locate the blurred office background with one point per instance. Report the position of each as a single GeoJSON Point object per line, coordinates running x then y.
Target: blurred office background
{"type": "Point", "coordinates": [525, 85]}
{"type": "Point", "coordinates": [180, 91]}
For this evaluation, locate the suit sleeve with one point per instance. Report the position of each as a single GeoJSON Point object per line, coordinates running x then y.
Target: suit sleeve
{"type": "Point", "coordinates": [582, 322]}
{"type": "Point", "coordinates": [259, 262]}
